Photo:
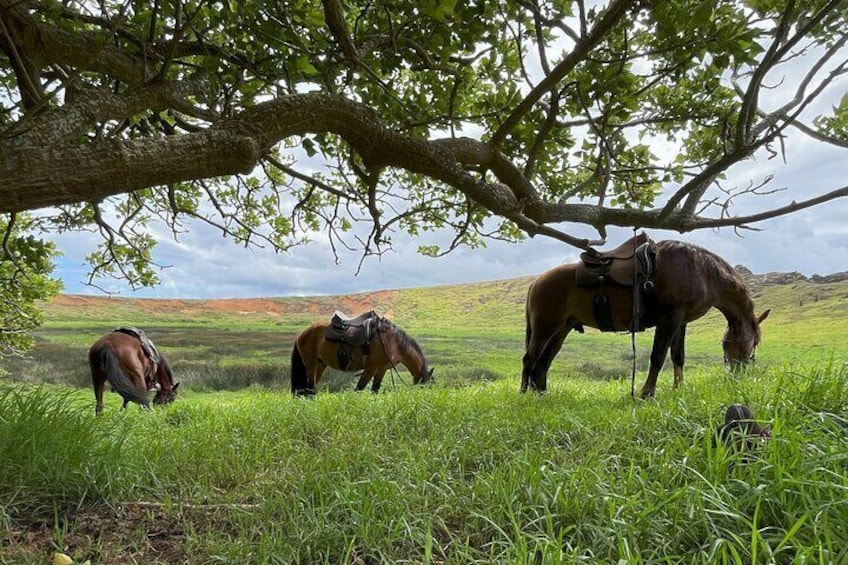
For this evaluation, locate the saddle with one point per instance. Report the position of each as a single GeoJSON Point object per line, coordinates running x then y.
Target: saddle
{"type": "Point", "coordinates": [597, 268]}
{"type": "Point", "coordinates": [630, 264]}
{"type": "Point", "coordinates": [352, 330]}
{"type": "Point", "coordinates": [146, 345]}
{"type": "Point", "coordinates": [355, 331]}
{"type": "Point", "coordinates": [149, 350]}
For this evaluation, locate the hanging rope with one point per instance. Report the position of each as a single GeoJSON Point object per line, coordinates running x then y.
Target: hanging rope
{"type": "Point", "coordinates": [633, 323]}
{"type": "Point", "coordinates": [394, 370]}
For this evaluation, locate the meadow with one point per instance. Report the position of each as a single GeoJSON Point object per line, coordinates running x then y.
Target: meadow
{"type": "Point", "coordinates": [465, 470]}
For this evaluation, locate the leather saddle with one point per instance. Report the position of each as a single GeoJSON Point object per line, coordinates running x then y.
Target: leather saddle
{"type": "Point", "coordinates": [146, 345]}
{"type": "Point", "coordinates": [629, 264]}
{"type": "Point", "coordinates": [352, 330]}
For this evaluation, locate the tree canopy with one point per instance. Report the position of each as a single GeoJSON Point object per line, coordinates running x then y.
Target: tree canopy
{"type": "Point", "coordinates": [275, 120]}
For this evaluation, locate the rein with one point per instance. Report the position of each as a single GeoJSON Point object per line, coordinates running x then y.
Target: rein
{"type": "Point", "coordinates": [394, 370]}
{"type": "Point", "coordinates": [633, 324]}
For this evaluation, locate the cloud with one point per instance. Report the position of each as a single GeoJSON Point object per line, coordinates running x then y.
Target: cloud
{"type": "Point", "coordinates": [203, 264]}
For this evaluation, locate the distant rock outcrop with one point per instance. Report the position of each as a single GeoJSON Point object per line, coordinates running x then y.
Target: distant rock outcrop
{"type": "Point", "coordinates": [831, 278]}
{"type": "Point", "coordinates": [771, 279]}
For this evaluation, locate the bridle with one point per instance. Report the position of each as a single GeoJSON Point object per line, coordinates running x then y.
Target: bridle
{"type": "Point", "coordinates": [751, 357]}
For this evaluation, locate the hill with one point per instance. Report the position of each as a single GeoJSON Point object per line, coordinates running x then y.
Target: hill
{"type": "Point", "coordinates": [808, 322]}
{"type": "Point", "coordinates": [477, 304]}
{"type": "Point", "coordinates": [494, 305]}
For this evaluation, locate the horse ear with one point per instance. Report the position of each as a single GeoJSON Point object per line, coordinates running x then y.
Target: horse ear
{"type": "Point", "coordinates": [763, 316]}
{"type": "Point", "coordinates": [176, 386]}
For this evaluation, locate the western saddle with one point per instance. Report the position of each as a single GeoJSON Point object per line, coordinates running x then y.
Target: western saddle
{"type": "Point", "coordinates": [630, 264]}
{"type": "Point", "coordinates": [146, 345]}
{"type": "Point", "coordinates": [150, 351]}
{"type": "Point", "coordinates": [355, 331]}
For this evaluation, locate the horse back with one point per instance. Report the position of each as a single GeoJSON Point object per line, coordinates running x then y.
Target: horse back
{"type": "Point", "coordinates": [555, 299]}
{"type": "Point", "coordinates": [682, 277]}
{"type": "Point", "coordinates": [126, 348]}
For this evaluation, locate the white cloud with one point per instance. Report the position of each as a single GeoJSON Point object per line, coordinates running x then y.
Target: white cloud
{"type": "Point", "coordinates": [203, 264]}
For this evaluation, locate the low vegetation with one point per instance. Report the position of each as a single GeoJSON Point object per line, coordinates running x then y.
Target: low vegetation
{"type": "Point", "coordinates": [464, 471]}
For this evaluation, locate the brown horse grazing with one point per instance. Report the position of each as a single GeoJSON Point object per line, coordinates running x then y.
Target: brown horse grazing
{"type": "Point", "coordinates": [687, 282]}
{"type": "Point", "coordinates": [120, 358]}
{"type": "Point", "coordinates": [386, 347]}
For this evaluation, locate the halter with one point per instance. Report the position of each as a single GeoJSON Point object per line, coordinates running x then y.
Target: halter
{"type": "Point", "coordinates": [751, 357]}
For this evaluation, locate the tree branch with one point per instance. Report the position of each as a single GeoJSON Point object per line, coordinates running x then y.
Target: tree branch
{"type": "Point", "coordinates": [611, 16]}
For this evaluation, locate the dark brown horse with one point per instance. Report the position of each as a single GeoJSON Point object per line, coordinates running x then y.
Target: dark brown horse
{"type": "Point", "coordinates": [389, 346]}
{"type": "Point", "coordinates": [740, 430]}
{"type": "Point", "coordinates": [688, 282]}
{"type": "Point", "coordinates": [120, 358]}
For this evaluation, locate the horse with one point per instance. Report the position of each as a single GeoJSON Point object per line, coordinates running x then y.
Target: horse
{"type": "Point", "coordinates": [387, 346]}
{"type": "Point", "coordinates": [120, 358]}
{"type": "Point", "coordinates": [740, 430]}
{"type": "Point", "coordinates": [687, 282]}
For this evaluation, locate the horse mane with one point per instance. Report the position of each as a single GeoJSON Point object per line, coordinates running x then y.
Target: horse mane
{"type": "Point", "coordinates": [165, 368]}
{"type": "Point", "coordinates": [714, 266]}
{"type": "Point", "coordinates": [405, 340]}
{"type": "Point", "coordinates": [716, 269]}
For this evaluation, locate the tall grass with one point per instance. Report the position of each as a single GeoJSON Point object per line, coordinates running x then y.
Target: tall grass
{"type": "Point", "coordinates": [478, 474]}
{"type": "Point", "coordinates": [464, 471]}
{"type": "Point", "coordinates": [55, 458]}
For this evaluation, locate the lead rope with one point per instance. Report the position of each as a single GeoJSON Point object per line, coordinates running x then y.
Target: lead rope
{"type": "Point", "coordinates": [633, 324]}
{"type": "Point", "coordinates": [394, 370]}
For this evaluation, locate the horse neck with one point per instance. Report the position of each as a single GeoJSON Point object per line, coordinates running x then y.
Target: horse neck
{"type": "Point", "coordinates": [164, 376]}
{"type": "Point", "coordinates": [737, 307]}
{"type": "Point", "coordinates": [409, 355]}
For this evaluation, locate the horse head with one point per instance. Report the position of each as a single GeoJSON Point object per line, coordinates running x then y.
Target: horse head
{"type": "Point", "coordinates": [166, 391]}
{"type": "Point", "coordinates": [741, 340]}
{"type": "Point", "coordinates": [425, 376]}
{"type": "Point", "coordinates": [411, 354]}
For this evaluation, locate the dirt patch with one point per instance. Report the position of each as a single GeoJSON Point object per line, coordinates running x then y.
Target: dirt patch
{"type": "Point", "coordinates": [381, 301]}
{"type": "Point", "coordinates": [133, 534]}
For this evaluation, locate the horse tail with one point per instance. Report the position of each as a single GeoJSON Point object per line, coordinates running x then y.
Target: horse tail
{"type": "Point", "coordinates": [105, 365]}
{"type": "Point", "coordinates": [299, 382]}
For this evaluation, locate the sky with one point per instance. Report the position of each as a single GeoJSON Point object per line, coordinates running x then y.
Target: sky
{"type": "Point", "coordinates": [202, 264]}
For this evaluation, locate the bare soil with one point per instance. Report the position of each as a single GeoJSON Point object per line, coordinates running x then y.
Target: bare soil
{"type": "Point", "coordinates": [352, 304]}
{"type": "Point", "coordinates": [130, 534]}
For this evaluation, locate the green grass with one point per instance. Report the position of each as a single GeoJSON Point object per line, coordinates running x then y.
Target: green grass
{"type": "Point", "coordinates": [473, 475]}
{"type": "Point", "coordinates": [464, 471]}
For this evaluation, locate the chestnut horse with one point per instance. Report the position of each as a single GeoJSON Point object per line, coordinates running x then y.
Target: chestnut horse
{"type": "Point", "coordinates": [118, 357]}
{"type": "Point", "coordinates": [688, 282]}
{"type": "Point", "coordinates": [389, 346]}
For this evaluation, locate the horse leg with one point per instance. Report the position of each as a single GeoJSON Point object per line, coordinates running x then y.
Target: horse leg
{"type": "Point", "coordinates": [378, 381]}
{"type": "Point", "coordinates": [317, 373]}
{"type": "Point", "coordinates": [537, 360]}
{"type": "Point", "coordinates": [363, 380]}
{"type": "Point", "coordinates": [678, 354]}
{"type": "Point", "coordinates": [667, 329]}
{"type": "Point", "coordinates": [99, 385]}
